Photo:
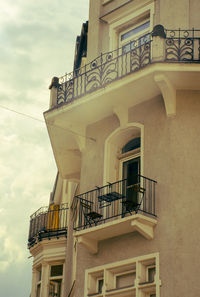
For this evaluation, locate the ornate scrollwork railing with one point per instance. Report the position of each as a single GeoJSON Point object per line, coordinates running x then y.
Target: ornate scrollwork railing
{"type": "Point", "coordinates": [180, 46]}
{"type": "Point", "coordinates": [105, 69]}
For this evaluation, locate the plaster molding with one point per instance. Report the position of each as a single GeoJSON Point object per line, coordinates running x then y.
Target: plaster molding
{"type": "Point", "coordinates": [168, 92]}
{"type": "Point", "coordinates": [90, 244]}
{"type": "Point", "coordinates": [128, 127]}
{"type": "Point", "coordinates": [144, 229]}
{"type": "Point", "coordinates": [122, 113]}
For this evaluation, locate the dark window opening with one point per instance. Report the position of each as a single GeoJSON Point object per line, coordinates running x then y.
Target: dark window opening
{"type": "Point", "coordinates": [131, 145]}
{"type": "Point", "coordinates": [56, 270]}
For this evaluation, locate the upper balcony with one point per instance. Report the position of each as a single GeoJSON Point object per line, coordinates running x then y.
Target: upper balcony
{"type": "Point", "coordinates": [157, 64]}
{"type": "Point", "coordinates": [48, 222]}
{"type": "Point", "coordinates": [115, 209]}
{"type": "Point", "coordinates": [173, 46]}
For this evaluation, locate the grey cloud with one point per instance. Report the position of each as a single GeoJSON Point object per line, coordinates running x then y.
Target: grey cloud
{"type": "Point", "coordinates": [37, 42]}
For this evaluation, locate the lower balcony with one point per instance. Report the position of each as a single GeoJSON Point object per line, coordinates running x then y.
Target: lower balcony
{"type": "Point", "coordinates": [48, 222]}
{"type": "Point", "coordinates": [115, 209]}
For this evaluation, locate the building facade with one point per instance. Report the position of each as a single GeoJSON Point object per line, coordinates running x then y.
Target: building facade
{"type": "Point", "coordinates": [123, 218]}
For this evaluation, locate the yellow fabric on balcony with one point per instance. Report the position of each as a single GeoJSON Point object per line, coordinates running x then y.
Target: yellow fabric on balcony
{"type": "Point", "coordinates": [53, 217]}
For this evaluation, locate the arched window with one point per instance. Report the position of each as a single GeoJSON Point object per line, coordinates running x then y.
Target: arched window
{"type": "Point", "coordinates": [131, 145]}
{"type": "Point", "coordinates": [122, 145]}
{"type": "Point", "coordinates": [130, 160]}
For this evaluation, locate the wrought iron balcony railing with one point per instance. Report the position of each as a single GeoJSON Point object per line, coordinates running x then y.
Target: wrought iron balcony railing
{"type": "Point", "coordinates": [105, 69]}
{"type": "Point", "coordinates": [115, 200]}
{"type": "Point", "coordinates": [182, 46]}
{"type": "Point", "coordinates": [179, 46]}
{"type": "Point", "coordinates": [48, 222]}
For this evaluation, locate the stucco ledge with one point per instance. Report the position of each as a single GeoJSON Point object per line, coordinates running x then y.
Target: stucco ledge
{"type": "Point", "coordinates": [90, 237]}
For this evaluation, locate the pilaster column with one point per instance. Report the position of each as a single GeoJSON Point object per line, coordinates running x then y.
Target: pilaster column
{"type": "Point", "coordinates": [158, 44]}
{"type": "Point", "coordinates": [34, 280]}
{"type": "Point", "coordinates": [45, 280]}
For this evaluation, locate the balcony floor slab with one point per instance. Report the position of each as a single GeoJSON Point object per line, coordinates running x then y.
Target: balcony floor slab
{"type": "Point", "coordinates": [91, 236]}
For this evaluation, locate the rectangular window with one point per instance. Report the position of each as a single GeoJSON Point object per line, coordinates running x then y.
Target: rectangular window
{"type": "Point", "coordinates": [119, 278]}
{"type": "Point", "coordinates": [55, 280]}
{"type": "Point", "coordinates": [55, 288]}
{"type": "Point", "coordinates": [56, 270]}
{"type": "Point", "coordinates": [100, 286]}
{"type": "Point", "coordinates": [134, 32]}
{"type": "Point", "coordinates": [134, 36]}
{"type": "Point", "coordinates": [130, 172]}
{"type": "Point", "coordinates": [151, 274]}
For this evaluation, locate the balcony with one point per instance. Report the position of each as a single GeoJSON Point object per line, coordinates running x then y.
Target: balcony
{"type": "Point", "coordinates": [115, 209]}
{"type": "Point", "coordinates": [159, 65]}
{"type": "Point", "coordinates": [175, 46]}
{"type": "Point", "coordinates": [48, 222]}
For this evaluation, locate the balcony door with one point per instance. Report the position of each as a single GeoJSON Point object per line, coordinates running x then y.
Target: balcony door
{"type": "Point", "coordinates": [130, 172]}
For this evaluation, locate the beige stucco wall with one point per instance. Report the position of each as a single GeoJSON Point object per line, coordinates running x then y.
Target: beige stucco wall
{"type": "Point", "coordinates": [194, 21]}
{"type": "Point", "coordinates": [171, 156]}
{"type": "Point", "coordinates": [174, 15]}
{"type": "Point", "coordinates": [93, 155]}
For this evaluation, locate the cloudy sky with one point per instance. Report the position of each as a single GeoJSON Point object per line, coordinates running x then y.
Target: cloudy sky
{"type": "Point", "coordinates": [37, 43]}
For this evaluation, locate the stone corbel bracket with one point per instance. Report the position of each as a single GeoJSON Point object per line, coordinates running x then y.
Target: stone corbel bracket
{"type": "Point", "coordinates": [122, 113]}
{"type": "Point", "coordinates": [168, 92]}
{"type": "Point", "coordinates": [90, 244]}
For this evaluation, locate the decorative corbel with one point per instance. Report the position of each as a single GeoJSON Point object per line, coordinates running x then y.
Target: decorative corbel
{"type": "Point", "coordinates": [168, 92]}
{"type": "Point", "coordinates": [122, 114]}
{"type": "Point", "coordinates": [90, 244]}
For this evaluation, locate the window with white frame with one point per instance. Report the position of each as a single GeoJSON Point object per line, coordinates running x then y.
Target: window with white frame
{"type": "Point", "coordinates": [96, 283]}
{"type": "Point", "coordinates": [135, 36]}
{"type": "Point", "coordinates": [132, 277]}
{"type": "Point", "coordinates": [100, 282]}
{"type": "Point", "coordinates": [131, 28]}
{"type": "Point", "coordinates": [55, 280]}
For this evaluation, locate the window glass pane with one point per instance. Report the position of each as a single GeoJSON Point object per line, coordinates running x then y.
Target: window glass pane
{"type": "Point", "coordinates": [151, 274]}
{"type": "Point", "coordinates": [131, 145]}
{"type": "Point", "coordinates": [55, 288]}
{"type": "Point", "coordinates": [100, 285]}
{"type": "Point", "coordinates": [56, 270]}
{"type": "Point", "coordinates": [131, 45]}
{"type": "Point", "coordinates": [131, 169]}
{"type": "Point", "coordinates": [135, 31]}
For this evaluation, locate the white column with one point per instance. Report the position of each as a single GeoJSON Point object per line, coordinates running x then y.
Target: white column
{"type": "Point", "coordinates": [34, 280]}
{"type": "Point", "coordinates": [69, 264]}
{"type": "Point", "coordinates": [158, 49]}
{"type": "Point", "coordinates": [45, 280]}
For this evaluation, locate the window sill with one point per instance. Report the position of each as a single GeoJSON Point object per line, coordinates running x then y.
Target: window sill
{"type": "Point", "coordinates": [121, 291]}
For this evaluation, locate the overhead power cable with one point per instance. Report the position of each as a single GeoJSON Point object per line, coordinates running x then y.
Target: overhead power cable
{"type": "Point", "coordinates": [42, 121]}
